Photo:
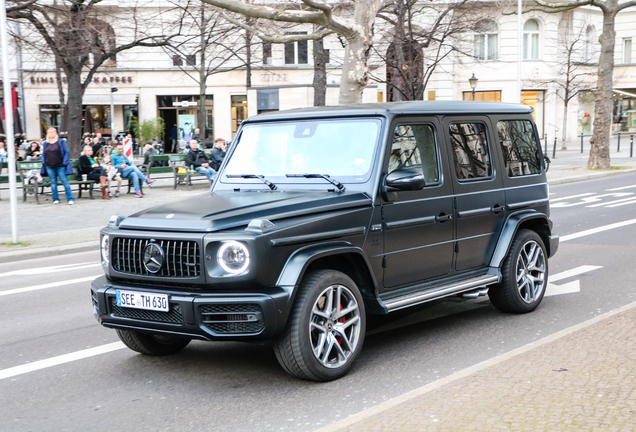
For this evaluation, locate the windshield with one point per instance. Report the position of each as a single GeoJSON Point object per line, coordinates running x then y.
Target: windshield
{"type": "Point", "coordinates": [340, 148]}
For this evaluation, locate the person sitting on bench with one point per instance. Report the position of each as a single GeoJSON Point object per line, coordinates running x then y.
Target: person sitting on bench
{"type": "Point", "coordinates": [128, 170]}
{"type": "Point", "coordinates": [93, 171]}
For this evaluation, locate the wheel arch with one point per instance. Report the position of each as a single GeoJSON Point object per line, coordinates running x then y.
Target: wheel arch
{"type": "Point", "coordinates": [535, 221]}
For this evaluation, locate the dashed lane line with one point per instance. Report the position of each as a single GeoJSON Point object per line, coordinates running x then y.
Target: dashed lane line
{"type": "Point", "coordinates": [55, 361]}
{"type": "Point", "coordinates": [48, 285]}
{"type": "Point", "coordinates": [596, 230]}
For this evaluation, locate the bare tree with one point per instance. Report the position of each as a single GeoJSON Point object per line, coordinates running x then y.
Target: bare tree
{"type": "Point", "coordinates": [420, 36]}
{"type": "Point", "coordinates": [599, 151]}
{"type": "Point", "coordinates": [81, 42]}
{"type": "Point", "coordinates": [356, 28]}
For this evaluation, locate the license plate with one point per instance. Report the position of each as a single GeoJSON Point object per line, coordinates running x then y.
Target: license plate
{"type": "Point", "coordinates": [142, 300]}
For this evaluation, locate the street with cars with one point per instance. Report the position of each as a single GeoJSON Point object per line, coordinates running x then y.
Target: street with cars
{"type": "Point", "coordinates": [60, 370]}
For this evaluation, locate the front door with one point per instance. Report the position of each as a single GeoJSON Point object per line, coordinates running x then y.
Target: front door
{"type": "Point", "coordinates": [479, 195]}
{"type": "Point", "coordinates": [418, 225]}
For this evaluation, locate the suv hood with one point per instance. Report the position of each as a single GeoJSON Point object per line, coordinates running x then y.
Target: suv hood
{"type": "Point", "coordinates": [222, 210]}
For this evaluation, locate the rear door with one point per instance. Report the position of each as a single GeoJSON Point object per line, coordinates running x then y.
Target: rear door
{"type": "Point", "coordinates": [479, 202]}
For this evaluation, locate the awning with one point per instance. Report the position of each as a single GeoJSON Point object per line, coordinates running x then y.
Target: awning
{"type": "Point", "coordinates": [92, 99]}
{"type": "Point", "coordinates": [624, 93]}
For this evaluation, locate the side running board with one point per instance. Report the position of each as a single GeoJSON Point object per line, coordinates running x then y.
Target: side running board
{"type": "Point", "coordinates": [437, 292]}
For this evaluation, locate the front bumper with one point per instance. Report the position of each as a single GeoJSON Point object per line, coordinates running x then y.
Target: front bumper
{"type": "Point", "coordinates": [207, 316]}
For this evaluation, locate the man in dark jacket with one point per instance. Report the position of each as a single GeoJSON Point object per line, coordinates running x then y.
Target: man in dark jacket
{"type": "Point", "coordinates": [218, 153]}
{"type": "Point", "coordinates": [196, 158]}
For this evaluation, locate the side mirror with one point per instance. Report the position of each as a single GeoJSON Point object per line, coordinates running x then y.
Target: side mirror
{"type": "Point", "coordinates": [405, 180]}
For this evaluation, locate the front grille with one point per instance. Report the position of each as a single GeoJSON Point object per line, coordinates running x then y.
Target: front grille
{"type": "Point", "coordinates": [173, 316]}
{"type": "Point", "coordinates": [233, 318]}
{"type": "Point", "coordinates": [181, 257]}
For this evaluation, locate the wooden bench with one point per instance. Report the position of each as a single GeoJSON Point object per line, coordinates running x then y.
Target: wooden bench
{"type": "Point", "coordinates": [30, 185]}
{"type": "Point", "coordinates": [176, 164]}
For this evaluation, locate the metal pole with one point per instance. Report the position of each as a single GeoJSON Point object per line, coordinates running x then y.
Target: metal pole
{"type": "Point", "coordinates": [8, 115]}
{"type": "Point", "coordinates": [618, 149]}
{"type": "Point", "coordinates": [546, 144]}
{"type": "Point", "coordinates": [554, 148]}
{"type": "Point", "coordinates": [20, 77]}
{"type": "Point", "coordinates": [581, 142]}
{"type": "Point", "coordinates": [112, 114]}
{"type": "Point", "coordinates": [631, 146]}
{"type": "Point", "coordinates": [473, 95]}
{"type": "Point", "coordinates": [519, 50]}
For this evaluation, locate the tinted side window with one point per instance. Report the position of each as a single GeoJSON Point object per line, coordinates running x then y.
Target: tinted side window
{"type": "Point", "coordinates": [470, 150]}
{"type": "Point", "coordinates": [519, 147]}
{"type": "Point", "coordinates": [415, 147]}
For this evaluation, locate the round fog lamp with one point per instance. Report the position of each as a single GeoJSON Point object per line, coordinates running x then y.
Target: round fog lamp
{"type": "Point", "coordinates": [233, 257]}
{"type": "Point", "coordinates": [105, 252]}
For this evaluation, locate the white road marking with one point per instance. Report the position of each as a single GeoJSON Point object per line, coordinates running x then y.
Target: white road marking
{"type": "Point", "coordinates": [48, 270]}
{"type": "Point", "coordinates": [596, 230]}
{"type": "Point", "coordinates": [65, 358]}
{"type": "Point", "coordinates": [570, 287]}
{"type": "Point", "coordinates": [623, 203]}
{"type": "Point", "coordinates": [621, 188]}
{"type": "Point", "coordinates": [611, 202]}
{"type": "Point", "coordinates": [572, 196]}
{"type": "Point", "coordinates": [590, 199]}
{"type": "Point", "coordinates": [48, 285]}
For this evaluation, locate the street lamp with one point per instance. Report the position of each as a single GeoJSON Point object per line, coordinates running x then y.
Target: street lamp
{"type": "Point", "coordinates": [473, 83]}
{"type": "Point", "coordinates": [112, 112]}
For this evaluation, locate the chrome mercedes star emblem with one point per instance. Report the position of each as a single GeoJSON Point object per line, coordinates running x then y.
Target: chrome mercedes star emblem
{"type": "Point", "coordinates": [153, 257]}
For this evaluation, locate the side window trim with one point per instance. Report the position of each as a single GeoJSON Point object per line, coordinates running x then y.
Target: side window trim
{"type": "Point", "coordinates": [488, 136]}
{"type": "Point", "coordinates": [436, 136]}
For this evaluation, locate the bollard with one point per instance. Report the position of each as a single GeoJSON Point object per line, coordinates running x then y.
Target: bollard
{"type": "Point", "coordinates": [631, 146]}
{"type": "Point", "coordinates": [581, 142]}
{"type": "Point", "coordinates": [618, 147]}
{"type": "Point", "coordinates": [554, 149]}
{"type": "Point", "coordinates": [546, 144]}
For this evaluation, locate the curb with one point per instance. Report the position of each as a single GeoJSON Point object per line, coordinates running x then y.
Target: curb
{"type": "Point", "coordinates": [591, 176]}
{"type": "Point", "coordinates": [6, 257]}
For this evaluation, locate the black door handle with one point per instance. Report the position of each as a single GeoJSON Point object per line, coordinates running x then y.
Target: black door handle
{"type": "Point", "coordinates": [497, 209]}
{"type": "Point", "coordinates": [443, 217]}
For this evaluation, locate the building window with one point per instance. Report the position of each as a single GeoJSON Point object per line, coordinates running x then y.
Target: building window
{"type": "Point", "coordinates": [486, 40]}
{"type": "Point", "coordinates": [627, 50]}
{"type": "Point", "coordinates": [177, 60]}
{"type": "Point", "coordinates": [296, 52]}
{"type": "Point", "coordinates": [267, 100]}
{"type": "Point", "coordinates": [589, 43]}
{"type": "Point", "coordinates": [531, 40]}
{"type": "Point", "coordinates": [191, 60]}
{"type": "Point", "coordinates": [267, 53]}
{"type": "Point", "coordinates": [239, 111]}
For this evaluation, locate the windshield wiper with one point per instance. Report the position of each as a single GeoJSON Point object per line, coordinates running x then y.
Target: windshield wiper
{"type": "Point", "coordinates": [334, 182]}
{"type": "Point", "coordinates": [271, 185]}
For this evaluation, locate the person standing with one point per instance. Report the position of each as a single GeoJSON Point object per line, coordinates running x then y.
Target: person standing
{"type": "Point", "coordinates": [196, 136]}
{"type": "Point", "coordinates": [56, 163]}
{"type": "Point", "coordinates": [93, 171]}
{"type": "Point", "coordinates": [174, 136]}
{"type": "Point", "coordinates": [218, 153]}
{"type": "Point", "coordinates": [128, 170]}
{"type": "Point", "coordinates": [196, 158]}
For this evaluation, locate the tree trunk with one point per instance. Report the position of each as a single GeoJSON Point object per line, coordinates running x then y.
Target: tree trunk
{"type": "Point", "coordinates": [565, 124]}
{"type": "Point", "coordinates": [355, 71]}
{"type": "Point", "coordinates": [75, 95]}
{"type": "Point", "coordinates": [248, 56]}
{"type": "Point", "coordinates": [320, 74]}
{"type": "Point", "coordinates": [599, 151]}
{"type": "Point", "coordinates": [202, 78]}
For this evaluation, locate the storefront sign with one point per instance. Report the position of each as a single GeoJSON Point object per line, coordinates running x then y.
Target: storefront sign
{"type": "Point", "coordinates": [184, 104]}
{"type": "Point", "coordinates": [97, 79]}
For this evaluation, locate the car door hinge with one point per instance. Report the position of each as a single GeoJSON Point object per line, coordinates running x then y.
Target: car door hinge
{"type": "Point", "coordinates": [455, 202]}
{"type": "Point", "coordinates": [456, 247]}
{"type": "Point", "coordinates": [384, 261]}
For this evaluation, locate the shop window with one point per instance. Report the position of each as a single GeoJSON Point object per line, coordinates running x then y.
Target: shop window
{"type": "Point", "coordinates": [586, 113]}
{"type": "Point", "coordinates": [531, 40]}
{"type": "Point", "coordinates": [130, 111]}
{"type": "Point", "coordinates": [470, 151]}
{"type": "Point", "coordinates": [627, 50]}
{"type": "Point", "coordinates": [267, 100]}
{"type": "Point", "coordinates": [536, 100]}
{"type": "Point", "coordinates": [519, 147]}
{"type": "Point", "coordinates": [483, 96]}
{"type": "Point", "coordinates": [101, 118]}
{"type": "Point", "coordinates": [486, 40]}
{"type": "Point", "coordinates": [296, 52]}
{"type": "Point", "coordinates": [239, 111]}
{"type": "Point", "coordinates": [50, 117]}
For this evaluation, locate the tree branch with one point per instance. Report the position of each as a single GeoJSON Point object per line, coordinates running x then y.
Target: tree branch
{"type": "Point", "coordinates": [266, 12]}
{"type": "Point", "coordinates": [278, 39]}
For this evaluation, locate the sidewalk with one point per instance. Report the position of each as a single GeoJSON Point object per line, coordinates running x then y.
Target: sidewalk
{"type": "Point", "coordinates": [582, 378]}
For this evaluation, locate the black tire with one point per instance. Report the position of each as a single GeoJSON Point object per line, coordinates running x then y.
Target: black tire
{"type": "Point", "coordinates": [546, 163]}
{"type": "Point", "coordinates": [523, 285]}
{"type": "Point", "coordinates": [152, 344]}
{"type": "Point", "coordinates": [342, 336]}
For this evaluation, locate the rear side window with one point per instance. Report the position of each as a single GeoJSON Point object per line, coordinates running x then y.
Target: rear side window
{"type": "Point", "coordinates": [470, 151]}
{"type": "Point", "coordinates": [519, 147]}
{"type": "Point", "coordinates": [415, 147]}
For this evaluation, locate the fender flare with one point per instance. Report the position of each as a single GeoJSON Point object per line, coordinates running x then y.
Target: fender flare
{"type": "Point", "coordinates": [510, 228]}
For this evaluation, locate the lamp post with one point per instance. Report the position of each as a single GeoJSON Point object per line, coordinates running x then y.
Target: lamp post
{"type": "Point", "coordinates": [112, 112]}
{"type": "Point", "coordinates": [473, 83]}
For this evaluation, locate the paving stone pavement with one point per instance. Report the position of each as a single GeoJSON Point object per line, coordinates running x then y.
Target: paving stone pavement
{"type": "Point", "coordinates": [584, 381]}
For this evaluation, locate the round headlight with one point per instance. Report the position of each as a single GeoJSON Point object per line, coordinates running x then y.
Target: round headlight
{"type": "Point", "coordinates": [233, 257]}
{"type": "Point", "coordinates": [105, 252]}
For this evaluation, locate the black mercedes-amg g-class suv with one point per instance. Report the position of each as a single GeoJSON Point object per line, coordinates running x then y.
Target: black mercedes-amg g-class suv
{"type": "Point", "coordinates": [319, 217]}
